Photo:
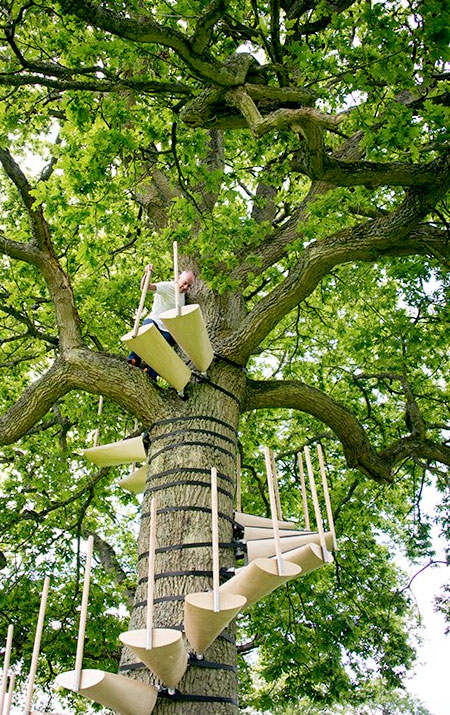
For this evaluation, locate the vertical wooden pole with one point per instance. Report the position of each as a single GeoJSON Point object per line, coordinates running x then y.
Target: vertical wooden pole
{"type": "Point", "coordinates": [175, 277]}
{"type": "Point", "coordinates": [276, 488]}
{"type": "Point", "coordinates": [6, 660]}
{"type": "Point", "coordinates": [12, 679]}
{"type": "Point", "coordinates": [273, 510]}
{"type": "Point", "coordinates": [151, 575]}
{"type": "Point", "coordinates": [141, 304]}
{"type": "Point", "coordinates": [83, 614]}
{"type": "Point", "coordinates": [238, 483]}
{"type": "Point", "coordinates": [37, 645]}
{"type": "Point", "coordinates": [215, 539]}
{"type": "Point", "coordinates": [99, 412]}
{"type": "Point", "coordinates": [326, 495]}
{"type": "Point", "coordinates": [317, 513]}
{"type": "Point", "coordinates": [303, 491]}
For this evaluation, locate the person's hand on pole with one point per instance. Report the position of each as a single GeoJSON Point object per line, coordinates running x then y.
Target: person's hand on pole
{"type": "Point", "coordinates": [148, 269]}
{"type": "Point", "coordinates": [145, 282]}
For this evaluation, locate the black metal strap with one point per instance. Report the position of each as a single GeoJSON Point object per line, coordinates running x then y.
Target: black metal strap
{"type": "Point", "coordinates": [202, 663]}
{"type": "Point", "coordinates": [195, 545]}
{"type": "Point", "coordinates": [186, 482]}
{"type": "Point", "coordinates": [181, 697]}
{"type": "Point", "coordinates": [218, 357]}
{"type": "Point", "coordinates": [198, 545]}
{"type": "Point", "coordinates": [208, 381]}
{"type": "Point", "coordinates": [192, 661]}
{"type": "Point", "coordinates": [226, 636]}
{"type": "Point", "coordinates": [191, 444]}
{"type": "Point", "coordinates": [204, 509]}
{"type": "Point", "coordinates": [161, 599]}
{"type": "Point", "coordinates": [193, 417]}
{"type": "Point", "coordinates": [223, 572]}
{"type": "Point", "coordinates": [191, 470]}
{"type": "Point", "coordinates": [194, 429]}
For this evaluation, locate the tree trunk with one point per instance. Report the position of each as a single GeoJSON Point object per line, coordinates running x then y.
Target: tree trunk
{"type": "Point", "coordinates": [184, 447]}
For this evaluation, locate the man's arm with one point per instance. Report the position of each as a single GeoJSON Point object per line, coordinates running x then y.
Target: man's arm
{"type": "Point", "coordinates": [148, 269]}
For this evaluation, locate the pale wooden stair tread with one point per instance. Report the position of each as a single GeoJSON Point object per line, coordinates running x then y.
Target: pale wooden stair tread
{"type": "Point", "coordinates": [117, 692]}
{"type": "Point", "coordinates": [114, 454]}
{"type": "Point", "coordinates": [189, 331]}
{"type": "Point", "coordinates": [153, 349]}
{"type": "Point", "coordinates": [261, 521]}
{"type": "Point", "coordinates": [167, 658]}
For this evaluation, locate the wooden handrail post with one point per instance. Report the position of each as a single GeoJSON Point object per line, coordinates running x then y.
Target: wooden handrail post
{"type": "Point", "coordinates": [312, 484]}
{"type": "Point", "coordinates": [99, 412]}
{"type": "Point", "coordinates": [141, 304]}
{"type": "Point", "coordinates": [83, 615]}
{"type": "Point", "coordinates": [273, 509]}
{"type": "Point", "coordinates": [215, 539]}
{"type": "Point", "coordinates": [6, 660]}
{"type": "Point", "coordinates": [303, 491]}
{"type": "Point", "coordinates": [175, 278]}
{"type": "Point", "coordinates": [326, 495]}
{"type": "Point", "coordinates": [37, 645]}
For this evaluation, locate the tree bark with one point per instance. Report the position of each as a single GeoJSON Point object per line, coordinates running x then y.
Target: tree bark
{"type": "Point", "coordinates": [183, 448]}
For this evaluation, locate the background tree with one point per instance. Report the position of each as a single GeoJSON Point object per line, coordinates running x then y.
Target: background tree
{"type": "Point", "coordinates": [298, 153]}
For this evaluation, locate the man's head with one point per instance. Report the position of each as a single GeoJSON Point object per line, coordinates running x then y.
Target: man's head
{"type": "Point", "coordinates": [185, 281]}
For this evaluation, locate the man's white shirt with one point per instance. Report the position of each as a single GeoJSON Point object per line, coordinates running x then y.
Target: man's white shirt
{"type": "Point", "coordinates": [163, 300]}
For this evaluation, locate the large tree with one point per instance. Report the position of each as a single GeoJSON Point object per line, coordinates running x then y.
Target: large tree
{"type": "Point", "coordinates": [298, 153]}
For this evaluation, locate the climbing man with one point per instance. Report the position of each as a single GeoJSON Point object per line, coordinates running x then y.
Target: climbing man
{"type": "Point", "coordinates": [164, 300]}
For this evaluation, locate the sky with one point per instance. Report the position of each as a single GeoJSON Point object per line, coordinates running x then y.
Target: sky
{"type": "Point", "coordinates": [430, 682]}
{"type": "Point", "coordinates": [432, 673]}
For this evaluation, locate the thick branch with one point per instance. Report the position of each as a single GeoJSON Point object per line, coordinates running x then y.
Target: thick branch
{"type": "Point", "coordinates": [209, 109]}
{"type": "Point", "coordinates": [98, 373]}
{"type": "Point", "coordinates": [48, 170]}
{"type": "Point", "coordinates": [34, 402]}
{"type": "Point", "coordinates": [358, 451]}
{"type": "Point", "coordinates": [394, 235]}
{"type": "Point", "coordinates": [15, 173]}
{"type": "Point", "coordinates": [205, 24]}
{"type": "Point", "coordinates": [95, 78]}
{"type": "Point", "coordinates": [297, 8]}
{"type": "Point", "coordinates": [38, 224]}
{"type": "Point", "coordinates": [279, 119]}
{"type": "Point", "coordinates": [418, 447]}
{"type": "Point", "coordinates": [214, 162]}
{"type": "Point", "coordinates": [42, 255]}
{"type": "Point", "coordinates": [144, 30]}
{"type": "Point", "coordinates": [297, 395]}
{"type": "Point", "coordinates": [92, 85]}
{"type": "Point", "coordinates": [368, 173]}
{"type": "Point", "coordinates": [264, 207]}
{"type": "Point", "coordinates": [310, 28]}
{"type": "Point", "coordinates": [22, 251]}
{"type": "Point", "coordinates": [284, 96]}
{"type": "Point", "coordinates": [274, 246]}
{"type": "Point", "coordinates": [413, 416]}
{"type": "Point", "coordinates": [275, 31]}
